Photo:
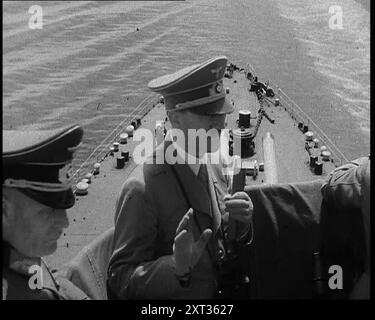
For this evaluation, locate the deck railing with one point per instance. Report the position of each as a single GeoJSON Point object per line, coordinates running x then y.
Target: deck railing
{"type": "Point", "coordinates": [299, 115]}
{"type": "Point", "coordinates": [103, 149]}
{"type": "Point", "coordinates": [295, 111]}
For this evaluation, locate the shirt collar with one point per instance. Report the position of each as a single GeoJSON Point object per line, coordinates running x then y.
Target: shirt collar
{"type": "Point", "coordinates": [195, 163]}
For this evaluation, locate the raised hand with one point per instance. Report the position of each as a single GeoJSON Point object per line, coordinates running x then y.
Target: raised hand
{"type": "Point", "coordinates": [186, 251]}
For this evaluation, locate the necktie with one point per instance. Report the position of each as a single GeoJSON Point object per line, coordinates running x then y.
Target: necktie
{"type": "Point", "coordinates": [203, 177]}
{"type": "Point", "coordinates": [214, 241]}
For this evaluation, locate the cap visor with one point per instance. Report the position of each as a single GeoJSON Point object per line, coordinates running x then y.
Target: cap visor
{"type": "Point", "coordinates": [218, 107]}
{"type": "Point", "coordinates": [56, 200]}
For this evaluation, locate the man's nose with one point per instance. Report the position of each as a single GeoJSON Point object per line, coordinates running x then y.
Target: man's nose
{"type": "Point", "coordinates": [61, 219]}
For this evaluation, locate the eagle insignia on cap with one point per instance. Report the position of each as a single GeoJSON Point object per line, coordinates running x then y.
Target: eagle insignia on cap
{"type": "Point", "coordinates": [66, 174]}
{"type": "Point", "coordinates": [217, 70]}
{"type": "Point", "coordinates": [218, 87]}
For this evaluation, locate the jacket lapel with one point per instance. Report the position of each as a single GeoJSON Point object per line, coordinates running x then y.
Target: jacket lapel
{"type": "Point", "coordinates": [209, 204]}
{"type": "Point", "coordinates": [197, 195]}
{"type": "Point", "coordinates": [200, 200]}
{"type": "Point", "coordinates": [215, 199]}
{"type": "Point", "coordinates": [220, 186]}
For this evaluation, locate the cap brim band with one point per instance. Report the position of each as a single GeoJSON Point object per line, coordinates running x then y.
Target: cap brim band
{"type": "Point", "coordinates": [36, 185]}
{"type": "Point", "coordinates": [221, 106]}
{"type": "Point", "coordinates": [57, 200]}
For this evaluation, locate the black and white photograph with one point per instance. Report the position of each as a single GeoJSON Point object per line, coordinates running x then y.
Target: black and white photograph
{"type": "Point", "coordinates": [186, 155]}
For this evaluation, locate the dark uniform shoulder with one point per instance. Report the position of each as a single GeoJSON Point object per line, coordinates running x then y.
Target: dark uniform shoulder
{"type": "Point", "coordinates": [16, 286]}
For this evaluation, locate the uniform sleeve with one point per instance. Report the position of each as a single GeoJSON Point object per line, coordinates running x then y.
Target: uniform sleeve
{"type": "Point", "coordinates": [348, 187]}
{"type": "Point", "coordinates": [343, 186]}
{"type": "Point", "coordinates": [5, 289]}
{"type": "Point", "coordinates": [69, 291]}
{"type": "Point", "coordinates": [62, 287]}
{"type": "Point", "coordinates": [134, 272]}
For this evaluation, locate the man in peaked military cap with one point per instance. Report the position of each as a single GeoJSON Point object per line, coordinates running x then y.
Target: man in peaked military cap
{"type": "Point", "coordinates": [171, 219]}
{"type": "Point", "coordinates": [36, 194]}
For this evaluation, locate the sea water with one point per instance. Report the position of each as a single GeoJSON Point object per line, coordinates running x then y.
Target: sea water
{"type": "Point", "coordinates": [91, 61]}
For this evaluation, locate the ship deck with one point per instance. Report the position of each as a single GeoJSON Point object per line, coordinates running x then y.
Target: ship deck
{"type": "Point", "coordinates": [94, 213]}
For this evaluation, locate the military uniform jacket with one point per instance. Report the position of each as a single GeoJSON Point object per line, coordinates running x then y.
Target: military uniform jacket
{"type": "Point", "coordinates": [148, 211]}
{"type": "Point", "coordinates": [18, 285]}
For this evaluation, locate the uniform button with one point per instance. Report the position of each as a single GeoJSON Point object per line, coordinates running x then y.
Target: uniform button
{"type": "Point", "coordinates": [221, 254]}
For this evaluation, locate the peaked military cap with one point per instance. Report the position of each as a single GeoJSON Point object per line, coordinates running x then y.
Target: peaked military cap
{"type": "Point", "coordinates": [198, 88]}
{"type": "Point", "coordinates": [38, 162]}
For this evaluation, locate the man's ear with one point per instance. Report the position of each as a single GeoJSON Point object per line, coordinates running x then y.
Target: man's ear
{"type": "Point", "coordinates": [6, 202]}
{"type": "Point", "coordinates": [9, 201]}
{"type": "Point", "coordinates": [173, 118]}
{"type": "Point", "coordinates": [6, 216]}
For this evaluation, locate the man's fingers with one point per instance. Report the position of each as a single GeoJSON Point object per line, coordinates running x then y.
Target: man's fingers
{"type": "Point", "coordinates": [184, 223]}
{"type": "Point", "coordinates": [237, 195]}
{"type": "Point", "coordinates": [241, 195]}
{"type": "Point", "coordinates": [182, 239]}
{"type": "Point", "coordinates": [241, 216]}
{"type": "Point", "coordinates": [182, 251]}
{"type": "Point", "coordinates": [227, 197]}
{"type": "Point", "coordinates": [190, 220]}
{"type": "Point", "coordinates": [238, 203]}
{"type": "Point", "coordinates": [200, 245]}
{"type": "Point", "coordinates": [180, 236]}
{"type": "Point", "coordinates": [239, 212]}
{"type": "Point", "coordinates": [239, 206]}
{"type": "Point", "coordinates": [206, 235]}
{"type": "Point", "coordinates": [202, 242]}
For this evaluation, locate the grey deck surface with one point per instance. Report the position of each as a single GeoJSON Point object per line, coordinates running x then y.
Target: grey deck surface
{"type": "Point", "coordinates": [93, 213]}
